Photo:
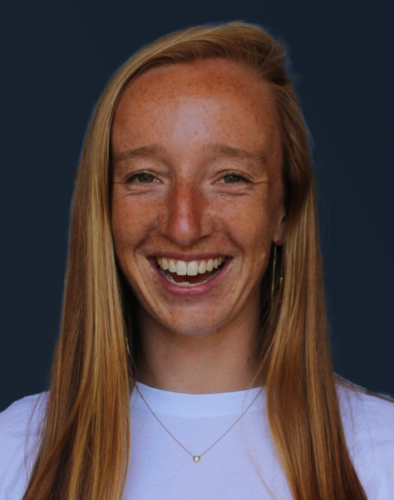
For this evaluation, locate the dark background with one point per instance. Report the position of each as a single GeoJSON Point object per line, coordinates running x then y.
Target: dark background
{"type": "Point", "coordinates": [56, 60]}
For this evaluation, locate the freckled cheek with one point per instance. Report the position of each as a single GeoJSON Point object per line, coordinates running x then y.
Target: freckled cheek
{"type": "Point", "coordinates": [129, 226]}
{"type": "Point", "coordinates": [250, 225]}
{"type": "Point", "coordinates": [255, 240]}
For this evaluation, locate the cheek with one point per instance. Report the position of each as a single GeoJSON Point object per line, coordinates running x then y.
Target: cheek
{"type": "Point", "coordinates": [120, 224]}
{"type": "Point", "coordinates": [250, 222]}
{"type": "Point", "coordinates": [129, 225]}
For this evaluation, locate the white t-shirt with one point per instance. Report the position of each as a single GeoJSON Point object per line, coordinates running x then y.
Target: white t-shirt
{"type": "Point", "coordinates": [243, 464]}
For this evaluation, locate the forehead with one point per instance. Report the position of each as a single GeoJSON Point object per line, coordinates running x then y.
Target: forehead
{"type": "Point", "coordinates": [211, 97]}
{"type": "Point", "coordinates": [203, 76]}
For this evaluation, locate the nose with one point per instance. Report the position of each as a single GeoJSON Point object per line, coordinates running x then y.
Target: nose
{"type": "Point", "coordinates": [185, 218]}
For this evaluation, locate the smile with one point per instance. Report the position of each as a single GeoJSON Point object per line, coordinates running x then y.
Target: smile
{"type": "Point", "coordinates": [197, 271]}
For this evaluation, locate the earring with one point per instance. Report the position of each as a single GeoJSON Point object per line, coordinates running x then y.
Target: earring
{"type": "Point", "coordinates": [274, 274]}
{"type": "Point", "coordinates": [127, 345]}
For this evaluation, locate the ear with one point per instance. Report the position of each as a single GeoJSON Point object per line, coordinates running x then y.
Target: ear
{"type": "Point", "coordinates": [280, 229]}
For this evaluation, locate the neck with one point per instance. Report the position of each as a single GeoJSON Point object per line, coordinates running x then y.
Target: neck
{"type": "Point", "coordinates": [221, 361]}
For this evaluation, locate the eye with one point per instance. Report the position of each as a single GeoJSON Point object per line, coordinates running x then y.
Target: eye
{"type": "Point", "coordinates": [233, 178]}
{"type": "Point", "coordinates": [141, 178]}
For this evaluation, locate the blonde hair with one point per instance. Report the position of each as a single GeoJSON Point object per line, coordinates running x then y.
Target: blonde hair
{"type": "Point", "coordinates": [85, 443]}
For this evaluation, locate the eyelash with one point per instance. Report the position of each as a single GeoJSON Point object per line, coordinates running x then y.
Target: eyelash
{"type": "Point", "coordinates": [135, 175]}
{"type": "Point", "coordinates": [235, 174]}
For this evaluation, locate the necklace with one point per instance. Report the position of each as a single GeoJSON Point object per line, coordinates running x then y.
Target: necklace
{"type": "Point", "coordinates": [197, 458]}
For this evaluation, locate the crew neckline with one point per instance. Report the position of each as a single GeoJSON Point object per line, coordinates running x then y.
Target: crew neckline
{"type": "Point", "coordinates": [197, 405]}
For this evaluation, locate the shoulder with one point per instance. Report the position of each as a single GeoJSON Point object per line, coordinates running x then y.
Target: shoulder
{"type": "Point", "coordinates": [366, 414]}
{"type": "Point", "coordinates": [28, 410]}
{"type": "Point", "coordinates": [368, 421]}
{"type": "Point", "coordinates": [20, 426]}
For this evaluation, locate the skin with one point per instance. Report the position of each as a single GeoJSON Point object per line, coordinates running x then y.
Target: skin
{"type": "Point", "coordinates": [188, 203]}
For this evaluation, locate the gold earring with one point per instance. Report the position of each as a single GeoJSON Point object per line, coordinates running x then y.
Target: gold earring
{"type": "Point", "coordinates": [127, 345]}
{"type": "Point", "coordinates": [274, 274]}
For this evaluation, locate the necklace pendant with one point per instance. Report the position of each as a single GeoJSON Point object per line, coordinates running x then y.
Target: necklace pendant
{"type": "Point", "coordinates": [196, 459]}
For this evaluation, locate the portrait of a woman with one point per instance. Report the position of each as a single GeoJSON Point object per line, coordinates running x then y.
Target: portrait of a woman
{"type": "Point", "coordinates": [194, 359]}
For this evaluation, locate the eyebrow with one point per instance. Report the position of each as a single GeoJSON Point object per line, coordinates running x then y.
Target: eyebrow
{"type": "Point", "coordinates": [215, 149]}
{"type": "Point", "coordinates": [130, 154]}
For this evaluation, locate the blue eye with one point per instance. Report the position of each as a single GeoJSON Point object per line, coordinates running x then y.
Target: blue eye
{"type": "Point", "coordinates": [142, 178]}
{"type": "Point", "coordinates": [233, 178]}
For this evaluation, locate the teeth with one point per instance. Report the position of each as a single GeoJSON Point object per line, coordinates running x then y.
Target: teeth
{"type": "Point", "coordinates": [202, 267]}
{"type": "Point", "coordinates": [183, 268]}
{"type": "Point", "coordinates": [192, 268]}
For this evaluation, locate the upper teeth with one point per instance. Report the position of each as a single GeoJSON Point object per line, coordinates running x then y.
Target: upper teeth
{"type": "Point", "coordinates": [192, 268]}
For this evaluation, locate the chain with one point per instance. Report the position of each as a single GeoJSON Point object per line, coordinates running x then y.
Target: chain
{"type": "Point", "coordinates": [197, 458]}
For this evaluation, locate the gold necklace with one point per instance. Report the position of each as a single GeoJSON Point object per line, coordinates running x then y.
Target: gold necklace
{"type": "Point", "coordinates": [196, 458]}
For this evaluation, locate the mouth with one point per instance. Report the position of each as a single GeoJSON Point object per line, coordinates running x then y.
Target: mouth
{"type": "Point", "coordinates": [190, 273]}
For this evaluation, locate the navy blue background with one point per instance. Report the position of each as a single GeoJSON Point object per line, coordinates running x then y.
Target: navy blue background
{"type": "Point", "coordinates": [57, 58]}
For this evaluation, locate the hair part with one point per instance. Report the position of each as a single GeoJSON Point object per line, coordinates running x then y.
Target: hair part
{"type": "Point", "coordinates": [85, 442]}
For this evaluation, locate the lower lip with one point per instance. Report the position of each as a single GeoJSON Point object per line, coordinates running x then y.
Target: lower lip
{"type": "Point", "coordinates": [191, 290]}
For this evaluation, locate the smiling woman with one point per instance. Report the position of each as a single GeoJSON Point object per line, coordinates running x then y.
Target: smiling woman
{"type": "Point", "coordinates": [189, 128]}
{"type": "Point", "coordinates": [194, 316]}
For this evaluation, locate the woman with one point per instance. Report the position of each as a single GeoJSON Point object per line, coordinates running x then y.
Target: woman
{"type": "Point", "coordinates": [194, 309]}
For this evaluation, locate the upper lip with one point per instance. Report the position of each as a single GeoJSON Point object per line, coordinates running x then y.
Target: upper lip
{"type": "Point", "coordinates": [188, 257]}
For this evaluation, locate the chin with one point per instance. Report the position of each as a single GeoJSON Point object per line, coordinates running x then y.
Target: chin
{"type": "Point", "coordinates": [188, 323]}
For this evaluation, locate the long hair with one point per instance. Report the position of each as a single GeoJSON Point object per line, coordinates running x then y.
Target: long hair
{"type": "Point", "coordinates": [86, 437]}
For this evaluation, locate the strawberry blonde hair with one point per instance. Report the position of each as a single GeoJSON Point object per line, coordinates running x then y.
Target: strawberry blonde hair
{"type": "Point", "coordinates": [86, 437]}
